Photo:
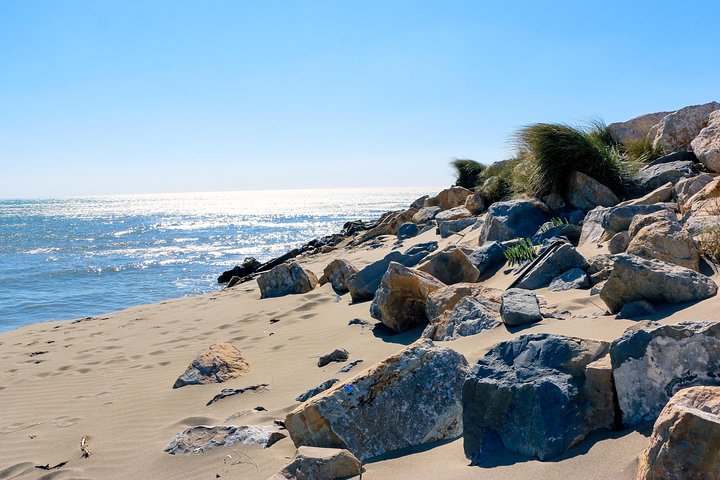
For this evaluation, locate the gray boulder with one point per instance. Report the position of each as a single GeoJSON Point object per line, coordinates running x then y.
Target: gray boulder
{"type": "Point", "coordinates": [678, 129]}
{"type": "Point", "coordinates": [314, 463]}
{"type": "Point", "coordinates": [337, 355]}
{"type": "Point", "coordinates": [469, 317]}
{"type": "Point", "coordinates": [586, 193]}
{"type": "Point", "coordinates": [592, 228]}
{"type": "Point", "coordinates": [513, 219]}
{"type": "Point", "coordinates": [425, 214]}
{"type": "Point", "coordinates": [636, 309]}
{"type": "Point", "coordinates": [303, 397]}
{"type": "Point", "coordinates": [407, 230]}
{"type": "Point", "coordinates": [707, 144]}
{"type": "Point", "coordinates": [651, 364]}
{"type": "Point", "coordinates": [655, 176]}
{"type": "Point", "coordinates": [450, 266]}
{"type": "Point", "coordinates": [365, 283]}
{"type": "Point", "coordinates": [412, 398]}
{"type": "Point", "coordinates": [488, 258]}
{"type": "Point", "coordinates": [451, 227]}
{"type": "Point", "coordinates": [634, 278]}
{"type": "Point", "coordinates": [419, 202]}
{"type": "Point", "coordinates": [687, 187]}
{"type": "Point", "coordinates": [547, 231]}
{"type": "Point", "coordinates": [618, 219]}
{"type": "Point", "coordinates": [570, 280]}
{"type": "Point", "coordinates": [285, 279]}
{"type": "Point", "coordinates": [200, 439]}
{"type": "Point", "coordinates": [537, 395]}
{"type": "Point", "coordinates": [519, 307]}
{"type": "Point", "coordinates": [556, 260]}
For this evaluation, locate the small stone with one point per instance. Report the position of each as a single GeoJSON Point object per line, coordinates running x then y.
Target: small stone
{"type": "Point", "coordinates": [317, 390]}
{"type": "Point", "coordinates": [337, 355]}
{"type": "Point", "coordinates": [570, 280]}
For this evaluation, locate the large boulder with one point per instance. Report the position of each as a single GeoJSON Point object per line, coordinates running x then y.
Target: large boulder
{"type": "Point", "coordinates": [450, 266]}
{"type": "Point", "coordinates": [411, 398]}
{"type": "Point", "coordinates": [201, 438]}
{"type": "Point", "coordinates": [388, 225]}
{"type": "Point", "coordinates": [407, 230]}
{"type": "Point", "coordinates": [315, 463]}
{"type": "Point", "coordinates": [572, 279]}
{"type": "Point", "coordinates": [519, 307]}
{"type": "Point", "coordinates": [488, 258]}
{"type": "Point", "coordinates": [636, 129]}
{"type": "Point", "coordinates": [634, 278]}
{"type": "Point", "coordinates": [618, 219]}
{"type": "Point", "coordinates": [453, 214]}
{"type": "Point", "coordinates": [707, 144]}
{"type": "Point", "coordinates": [365, 283]}
{"type": "Point", "coordinates": [659, 236]}
{"type": "Point", "coordinates": [660, 195]}
{"type": "Point", "coordinates": [586, 193]}
{"type": "Point", "coordinates": [655, 176]}
{"type": "Point", "coordinates": [400, 300]}
{"type": "Point", "coordinates": [475, 203]}
{"type": "Point", "coordinates": [451, 227]}
{"type": "Point", "coordinates": [443, 300]}
{"type": "Point", "coordinates": [705, 201]}
{"type": "Point", "coordinates": [687, 187]}
{"type": "Point", "coordinates": [512, 219]}
{"type": "Point", "coordinates": [471, 315]}
{"type": "Point", "coordinates": [449, 198]}
{"type": "Point", "coordinates": [652, 363]}
{"type": "Point", "coordinates": [685, 438]}
{"type": "Point", "coordinates": [537, 395]}
{"type": "Point", "coordinates": [285, 279]}
{"type": "Point", "coordinates": [338, 272]}
{"type": "Point", "coordinates": [248, 267]}
{"type": "Point", "coordinates": [592, 228]}
{"type": "Point", "coordinates": [219, 363]}
{"type": "Point", "coordinates": [425, 214]}
{"type": "Point", "coordinates": [678, 129]}
{"type": "Point", "coordinates": [556, 260]}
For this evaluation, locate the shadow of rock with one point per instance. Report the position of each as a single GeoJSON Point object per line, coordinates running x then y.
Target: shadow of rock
{"type": "Point", "coordinates": [405, 338]}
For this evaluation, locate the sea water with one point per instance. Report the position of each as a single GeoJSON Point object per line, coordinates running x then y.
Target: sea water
{"type": "Point", "coordinates": [70, 258]}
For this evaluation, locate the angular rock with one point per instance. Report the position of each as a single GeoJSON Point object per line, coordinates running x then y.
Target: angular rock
{"type": "Point", "coordinates": [636, 309]}
{"type": "Point", "coordinates": [231, 392]}
{"type": "Point", "coordinates": [592, 229]}
{"type": "Point", "coordinates": [219, 363]}
{"type": "Point", "coordinates": [453, 214]}
{"type": "Point", "coordinates": [618, 219]}
{"type": "Point", "coordinates": [443, 300]}
{"type": "Point", "coordinates": [547, 231]}
{"type": "Point", "coordinates": [653, 363]}
{"type": "Point", "coordinates": [557, 260]}
{"type": "Point", "coordinates": [655, 176]}
{"type": "Point", "coordinates": [600, 268]}
{"type": "Point", "coordinates": [642, 220]}
{"type": "Point", "coordinates": [572, 279]}
{"type": "Point", "coordinates": [707, 144]}
{"type": "Point", "coordinates": [365, 283]}
{"type": "Point", "coordinates": [619, 242]}
{"type": "Point", "coordinates": [407, 230]}
{"type": "Point", "coordinates": [488, 258]}
{"type": "Point", "coordinates": [419, 202]}
{"type": "Point", "coordinates": [553, 201]}
{"type": "Point", "coordinates": [409, 399]}
{"type": "Point", "coordinates": [350, 366]}
{"type": "Point", "coordinates": [286, 279]}
{"type": "Point", "coordinates": [685, 438]}
{"type": "Point", "coordinates": [513, 219]}
{"type": "Point", "coordinates": [537, 395]}
{"type": "Point", "coordinates": [676, 130]}
{"type": "Point", "coordinates": [315, 463]}
{"type": "Point", "coordinates": [687, 187]}
{"type": "Point", "coordinates": [660, 195]}
{"type": "Point", "coordinates": [475, 203]}
{"type": "Point", "coordinates": [470, 316]}
{"type": "Point", "coordinates": [400, 300]}
{"type": "Point", "coordinates": [425, 214]}
{"type": "Point", "coordinates": [451, 227]}
{"type": "Point", "coordinates": [388, 225]}
{"type": "Point", "coordinates": [634, 278]}
{"type": "Point", "coordinates": [338, 272]}
{"type": "Point", "coordinates": [586, 193]}
{"type": "Point", "coordinates": [519, 307]}
{"type": "Point", "coordinates": [200, 439]}
{"type": "Point", "coordinates": [704, 202]}
{"type": "Point", "coordinates": [316, 390]}
{"type": "Point", "coordinates": [449, 198]}
{"type": "Point", "coordinates": [450, 266]}
{"type": "Point", "coordinates": [248, 267]}
{"type": "Point", "coordinates": [663, 239]}
{"type": "Point", "coordinates": [636, 129]}
{"type": "Point", "coordinates": [337, 355]}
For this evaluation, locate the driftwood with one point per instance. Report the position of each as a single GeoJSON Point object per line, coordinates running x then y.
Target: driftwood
{"type": "Point", "coordinates": [48, 467]}
{"type": "Point", "coordinates": [84, 447]}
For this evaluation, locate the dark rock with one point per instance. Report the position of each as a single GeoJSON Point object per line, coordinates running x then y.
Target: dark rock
{"type": "Point", "coordinates": [337, 355]}
{"type": "Point", "coordinates": [556, 260]}
{"type": "Point", "coordinates": [571, 232]}
{"type": "Point", "coordinates": [654, 176]}
{"type": "Point", "coordinates": [350, 366]}
{"type": "Point", "coordinates": [636, 309]}
{"type": "Point", "coordinates": [682, 156]}
{"type": "Point", "coordinates": [618, 219]}
{"type": "Point", "coordinates": [619, 242]}
{"type": "Point", "coordinates": [407, 230]}
{"type": "Point", "coordinates": [449, 228]}
{"type": "Point", "coordinates": [229, 392]}
{"type": "Point", "coordinates": [418, 203]}
{"type": "Point", "coordinates": [572, 279]}
{"type": "Point", "coordinates": [519, 307]}
{"type": "Point", "coordinates": [358, 321]}
{"type": "Point", "coordinates": [317, 390]}
{"type": "Point", "coordinates": [513, 219]}
{"type": "Point", "coordinates": [248, 267]}
{"type": "Point", "coordinates": [488, 258]}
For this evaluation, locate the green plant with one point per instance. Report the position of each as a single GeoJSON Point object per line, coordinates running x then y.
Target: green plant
{"type": "Point", "coordinates": [522, 252]}
{"type": "Point", "coordinates": [467, 172]}
{"type": "Point", "coordinates": [643, 151]}
{"type": "Point", "coordinates": [554, 222]}
{"type": "Point", "coordinates": [497, 181]}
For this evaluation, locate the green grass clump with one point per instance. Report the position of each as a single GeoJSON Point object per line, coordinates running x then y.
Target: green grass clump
{"type": "Point", "coordinates": [551, 151]}
{"type": "Point", "coordinates": [643, 151]}
{"type": "Point", "coordinates": [554, 222]}
{"type": "Point", "coordinates": [523, 252]}
{"type": "Point", "coordinates": [468, 172]}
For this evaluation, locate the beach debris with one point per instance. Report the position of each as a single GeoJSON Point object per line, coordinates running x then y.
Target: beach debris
{"type": "Point", "coordinates": [220, 362]}
{"type": "Point", "coordinates": [358, 321]}
{"type": "Point", "coordinates": [229, 392]}
{"type": "Point", "coordinates": [84, 447]}
{"type": "Point", "coordinates": [349, 366]}
{"type": "Point", "coordinates": [54, 467]}
{"type": "Point", "coordinates": [201, 438]}
{"type": "Point", "coordinates": [337, 355]}
{"type": "Point", "coordinates": [319, 389]}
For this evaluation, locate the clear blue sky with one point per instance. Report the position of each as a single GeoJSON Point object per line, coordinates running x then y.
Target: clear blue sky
{"type": "Point", "coordinates": [168, 96]}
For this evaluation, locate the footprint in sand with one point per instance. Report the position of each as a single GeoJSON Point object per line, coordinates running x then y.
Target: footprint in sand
{"type": "Point", "coordinates": [66, 421]}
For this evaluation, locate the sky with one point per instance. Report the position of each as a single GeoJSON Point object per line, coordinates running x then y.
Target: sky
{"type": "Point", "coordinates": [111, 97]}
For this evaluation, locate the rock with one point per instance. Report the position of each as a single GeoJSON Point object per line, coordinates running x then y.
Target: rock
{"type": "Point", "coordinates": [586, 193]}
{"type": "Point", "coordinates": [687, 187]}
{"type": "Point", "coordinates": [412, 398]}
{"type": "Point", "coordinates": [652, 363]}
{"type": "Point", "coordinates": [619, 242]}
{"type": "Point", "coordinates": [636, 309]}
{"type": "Point", "coordinates": [488, 258]}
{"type": "Point", "coordinates": [556, 260]}
{"type": "Point", "coordinates": [425, 214]}
{"type": "Point", "coordinates": [547, 231]}
{"type": "Point", "coordinates": [592, 229]}
{"type": "Point", "coordinates": [469, 317]}
{"type": "Point", "coordinates": [231, 392]}
{"type": "Point", "coordinates": [400, 300]}
{"type": "Point", "coordinates": [661, 194]}
{"type": "Point", "coordinates": [358, 321]}
{"type": "Point", "coordinates": [316, 390]}
{"type": "Point", "coordinates": [512, 219]}
{"type": "Point", "coordinates": [654, 176]}
{"type": "Point", "coordinates": [234, 281]}
{"type": "Point", "coordinates": [338, 272]}
{"type": "Point", "coordinates": [453, 214]}
{"type": "Point", "coordinates": [350, 366]}
{"type": "Point", "coordinates": [641, 221]}
{"type": "Point", "coordinates": [475, 203]}
{"type": "Point", "coordinates": [450, 266]}
{"type": "Point", "coordinates": [707, 144]}
{"type": "Point", "coordinates": [704, 200]}
{"type": "Point", "coordinates": [618, 219]}
{"type": "Point", "coordinates": [698, 226]}
{"type": "Point", "coordinates": [451, 227]}
{"type": "Point", "coordinates": [337, 355]}
{"type": "Point", "coordinates": [363, 284]}
{"type": "Point", "coordinates": [572, 279]}
{"type": "Point", "coordinates": [286, 279]}
{"type": "Point", "coordinates": [388, 225]}
{"type": "Point", "coordinates": [444, 300]}
{"type": "Point", "coordinates": [418, 203]}
{"type": "Point", "coordinates": [407, 230]}
{"type": "Point", "coordinates": [663, 239]}
{"type": "Point", "coordinates": [314, 463]}
{"type": "Point", "coordinates": [202, 438]}
{"type": "Point", "coordinates": [634, 278]}
{"type": "Point", "coordinates": [553, 201]}
{"type": "Point", "coordinates": [519, 307]}
{"type": "Point", "coordinates": [635, 130]}
{"type": "Point", "coordinates": [600, 268]}
{"type": "Point", "coordinates": [449, 198]}
{"type": "Point", "coordinates": [678, 129]}
{"type": "Point", "coordinates": [248, 267]}
{"type": "Point", "coordinates": [685, 438]}
{"type": "Point", "coordinates": [219, 363]}
{"type": "Point", "coordinates": [537, 395]}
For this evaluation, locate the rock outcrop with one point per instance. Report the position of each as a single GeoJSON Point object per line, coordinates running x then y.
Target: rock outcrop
{"type": "Point", "coordinates": [586, 193]}
{"type": "Point", "coordinates": [409, 399]}
{"type": "Point", "coordinates": [219, 363]}
{"type": "Point", "coordinates": [450, 266]}
{"type": "Point", "coordinates": [537, 395]}
{"type": "Point", "coordinates": [286, 279]}
{"type": "Point", "coordinates": [652, 363]}
{"type": "Point", "coordinates": [512, 219]}
{"type": "Point", "coordinates": [678, 129]}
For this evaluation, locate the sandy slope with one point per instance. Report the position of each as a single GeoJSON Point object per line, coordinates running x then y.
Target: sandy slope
{"type": "Point", "coordinates": [110, 377]}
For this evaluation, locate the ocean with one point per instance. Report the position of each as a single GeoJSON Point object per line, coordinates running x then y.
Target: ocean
{"type": "Point", "coordinates": [78, 257]}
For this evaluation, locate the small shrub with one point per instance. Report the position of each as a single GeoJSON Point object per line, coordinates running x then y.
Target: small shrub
{"type": "Point", "coordinates": [643, 151]}
{"type": "Point", "coordinates": [554, 222]}
{"type": "Point", "coordinates": [467, 172]}
{"type": "Point", "coordinates": [523, 252]}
